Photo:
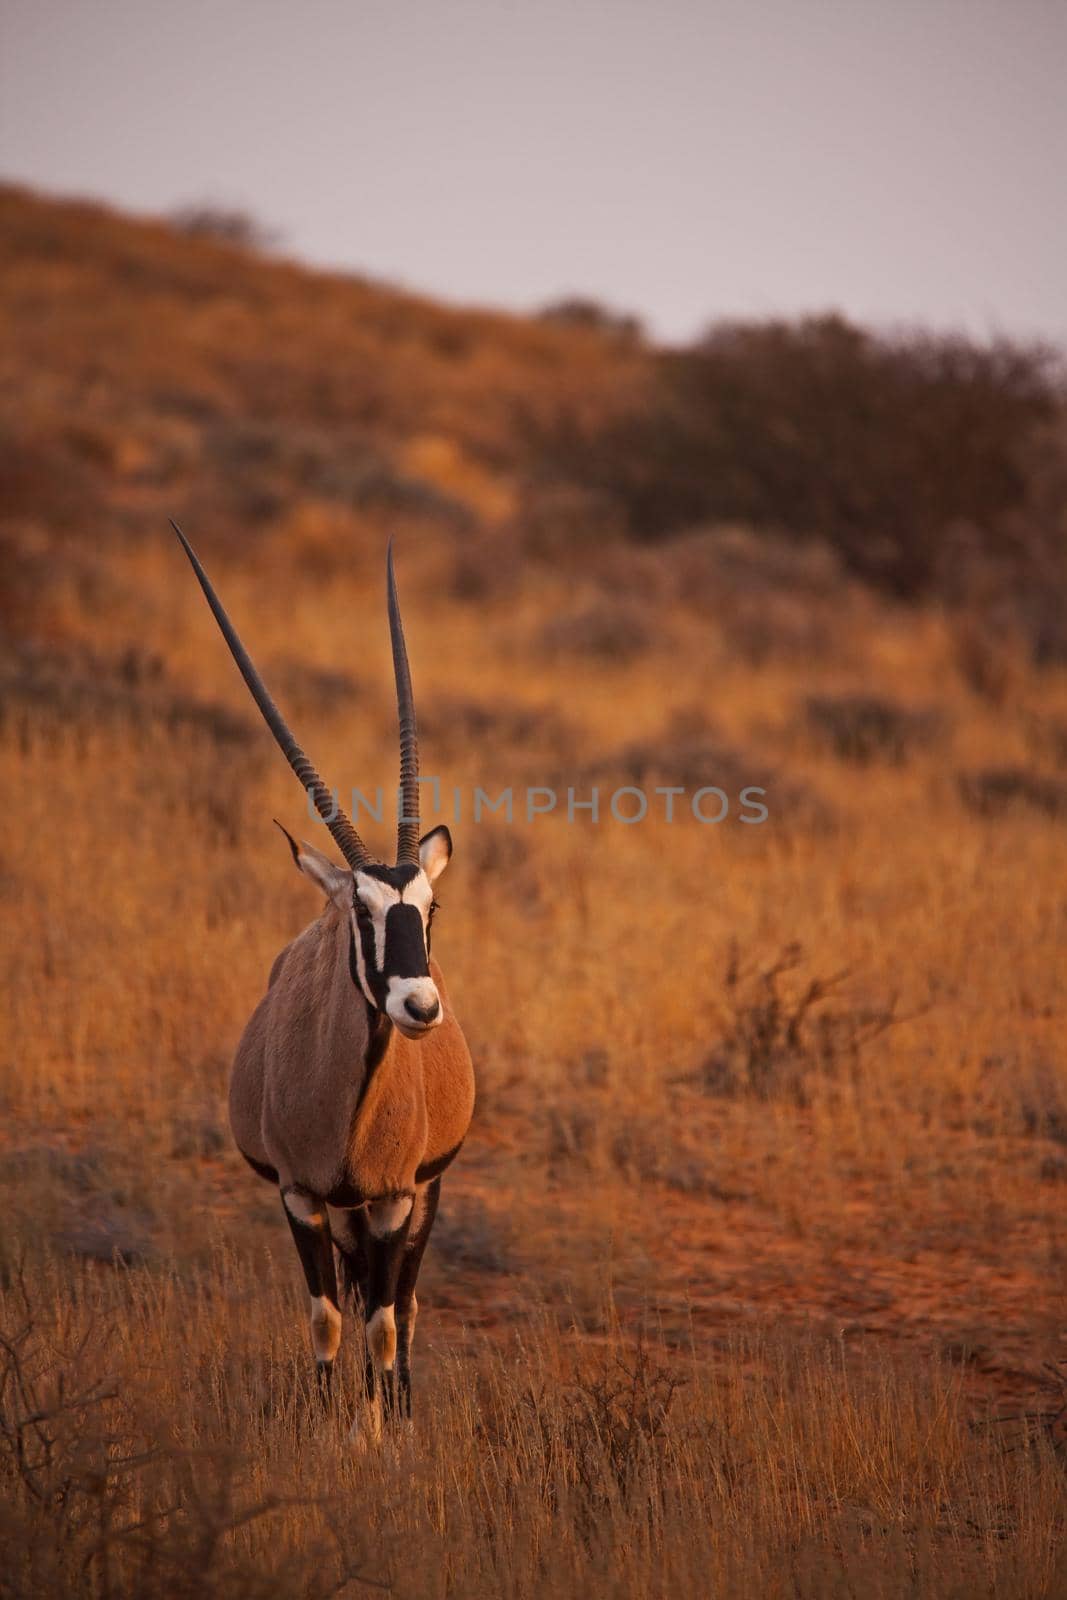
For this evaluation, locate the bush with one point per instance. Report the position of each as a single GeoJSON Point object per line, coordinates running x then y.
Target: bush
{"type": "Point", "coordinates": [608, 630]}
{"type": "Point", "coordinates": [996, 791]}
{"type": "Point", "coordinates": [881, 445]}
{"type": "Point", "coordinates": [784, 1031]}
{"type": "Point", "coordinates": [864, 728]}
{"type": "Point", "coordinates": [224, 223]}
{"type": "Point", "coordinates": [576, 311]}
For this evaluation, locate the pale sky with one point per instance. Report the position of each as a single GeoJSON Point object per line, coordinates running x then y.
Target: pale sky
{"type": "Point", "coordinates": [900, 160]}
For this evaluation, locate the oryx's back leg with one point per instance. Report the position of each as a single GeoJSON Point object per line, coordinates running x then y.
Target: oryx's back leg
{"type": "Point", "coordinates": [422, 1220]}
{"type": "Point", "coordinates": [383, 1227]}
{"type": "Point", "coordinates": [348, 1237]}
{"type": "Point", "coordinates": [310, 1225]}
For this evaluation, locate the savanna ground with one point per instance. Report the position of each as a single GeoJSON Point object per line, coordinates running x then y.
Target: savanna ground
{"type": "Point", "coordinates": [750, 1279]}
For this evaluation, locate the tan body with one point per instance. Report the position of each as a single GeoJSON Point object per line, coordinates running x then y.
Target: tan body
{"type": "Point", "coordinates": [302, 1102]}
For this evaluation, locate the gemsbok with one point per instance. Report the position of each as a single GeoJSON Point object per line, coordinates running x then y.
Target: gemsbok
{"type": "Point", "coordinates": [352, 1088]}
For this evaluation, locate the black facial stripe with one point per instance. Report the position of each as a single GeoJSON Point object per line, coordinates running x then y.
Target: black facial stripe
{"type": "Point", "coordinates": [376, 986]}
{"type": "Point", "coordinates": [376, 979]}
{"type": "Point", "coordinates": [405, 943]}
{"type": "Point", "coordinates": [396, 877]}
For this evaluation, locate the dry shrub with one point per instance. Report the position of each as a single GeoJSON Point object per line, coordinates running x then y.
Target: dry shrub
{"type": "Point", "coordinates": [500, 862]}
{"type": "Point", "coordinates": [988, 655]}
{"type": "Point", "coordinates": [578, 311]}
{"type": "Point", "coordinates": [42, 690]}
{"type": "Point", "coordinates": [100, 1500]}
{"type": "Point", "coordinates": [778, 627]}
{"type": "Point", "coordinates": [33, 491]}
{"type": "Point", "coordinates": [47, 579]}
{"type": "Point", "coordinates": [460, 725]}
{"type": "Point", "coordinates": [1013, 586]}
{"type": "Point", "coordinates": [30, 1164]}
{"type": "Point", "coordinates": [786, 1031]}
{"type": "Point", "coordinates": [1031, 1091]}
{"type": "Point", "coordinates": [225, 224]}
{"type": "Point", "coordinates": [313, 689]}
{"type": "Point", "coordinates": [107, 1235]}
{"type": "Point", "coordinates": [567, 525]}
{"type": "Point", "coordinates": [1047, 737]}
{"type": "Point", "coordinates": [484, 568]}
{"type": "Point", "coordinates": [879, 444]}
{"type": "Point", "coordinates": [767, 597]}
{"type": "Point", "coordinates": [1002, 791]}
{"type": "Point", "coordinates": [471, 1238]}
{"type": "Point", "coordinates": [730, 561]}
{"type": "Point", "coordinates": [864, 728]}
{"type": "Point", "coordinates": [499, 853]}
{"type": "Point", "coordinates": [692, 755]}
{"type": "Point", "coordinates": [612, 631]}
{"type": "Point", "coordinates": [772, 598]}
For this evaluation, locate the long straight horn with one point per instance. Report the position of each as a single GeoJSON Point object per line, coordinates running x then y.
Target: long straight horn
{"type": "Point", "coordinates": [407, 828]}
{"type": "Point", "coordinates": [351, 845]}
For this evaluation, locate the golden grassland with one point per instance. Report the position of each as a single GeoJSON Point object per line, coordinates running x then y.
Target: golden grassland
{"type": "Point", "coordinates": [750, 1279]}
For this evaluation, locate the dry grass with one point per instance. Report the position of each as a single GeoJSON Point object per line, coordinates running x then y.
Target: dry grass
{"type": "Point", "coordinates": [159, 1441]}
{"type": "Point", "coordinates": [759, 1236]}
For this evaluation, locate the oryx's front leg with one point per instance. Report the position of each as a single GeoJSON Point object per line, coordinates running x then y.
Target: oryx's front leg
{"type": "Point", "coordinates": [384, 1226]}
{"type": "Point", "coordinates": [422, 1219]}
{"type": "Point", "coordinates": [310, 1225]}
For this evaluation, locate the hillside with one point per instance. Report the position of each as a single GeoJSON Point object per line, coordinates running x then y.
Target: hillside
{"type": "Point", "coordinates": [158, 367]}
{"type": "Point", "coordinates": [749, 1278]}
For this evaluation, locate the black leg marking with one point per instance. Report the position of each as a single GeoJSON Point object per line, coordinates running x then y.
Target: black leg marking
{"type": "Point", "coordinates": [310, 1227]}
{"type": "Point", "coordinates": [355, 1268]}
{"type": "Point", "coordinates": [434, 1169]}
{"type": "Point", "coordinates": [406, 1304]}
{"type": "Point", "coordinates": [383, 1255]}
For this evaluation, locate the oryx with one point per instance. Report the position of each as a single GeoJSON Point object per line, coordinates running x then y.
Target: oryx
{"type": "Point", "coordinates": [352, 1088]}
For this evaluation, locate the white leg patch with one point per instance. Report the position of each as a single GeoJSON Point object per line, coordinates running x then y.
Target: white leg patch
{"type": "Point", "coordinates": [386, 1216]}
{"type": "Point", "coordinates": [302, 1208]}
{"type": "Point", "coordinates": [381, 1338]}
{"type": "Point", "coordinates": [325, 1328]}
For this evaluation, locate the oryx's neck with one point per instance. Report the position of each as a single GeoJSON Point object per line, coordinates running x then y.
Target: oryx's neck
{"type": "Point", "coordinates": [347, 1027]}
{"type": "Point", "coordinates": [380, 1031]}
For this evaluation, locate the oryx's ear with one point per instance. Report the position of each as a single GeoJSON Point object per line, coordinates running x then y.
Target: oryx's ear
{"type": "Point", "coordinates": [335, 882]}
{"type": "Point", "coordinates": [435, 852]}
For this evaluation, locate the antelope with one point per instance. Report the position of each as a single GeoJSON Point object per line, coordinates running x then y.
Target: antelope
{"type": "Point", "coordinates": [352, 1087]}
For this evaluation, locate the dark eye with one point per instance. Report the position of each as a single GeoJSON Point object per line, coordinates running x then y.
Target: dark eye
{"type": "Point", "coordinates": [434, 906]}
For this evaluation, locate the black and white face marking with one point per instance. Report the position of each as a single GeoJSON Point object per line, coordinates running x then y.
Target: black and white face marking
{"type": "Point", "coordinates": [392, 908]}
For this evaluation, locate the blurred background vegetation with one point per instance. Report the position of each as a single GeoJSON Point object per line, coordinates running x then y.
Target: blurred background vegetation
{"type": "Point", "coordinates": [149, 366]}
